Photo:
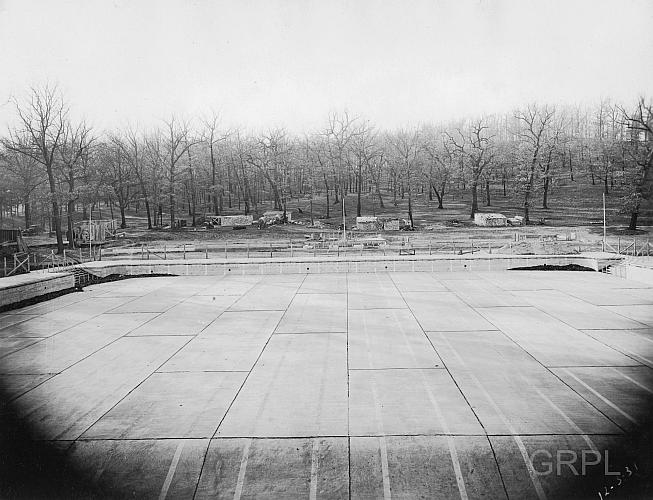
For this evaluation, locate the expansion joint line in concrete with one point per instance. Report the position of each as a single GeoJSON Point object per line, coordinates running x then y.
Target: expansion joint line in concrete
{"type": "Point", "coordinates": [348, 388]}
{"type": "Point", "coordinates": [600, 396]}
{"type": "Point", "coordinates": [547, 368]}
{"type": "Point", "coordinates": [518, 440]}
{"type": "Point", "coordinates": [233, 401]}
{"type": "Point", "coordinates": [460, 482]}
{"type": "Point", "coordinates": [642, 386]}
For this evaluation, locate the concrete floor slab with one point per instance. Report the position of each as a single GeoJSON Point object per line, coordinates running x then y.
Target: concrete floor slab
{"type": "Point", "coordinates": [7, 320]}
{"type": "Point", "coordinates": [43, 326]}
{"type": "Point", "coordinates": [324, 283]}
{"type": "Point", "coordinates": [517, 280]}
{"type": "Point", "coordinates": [17, 385]}
{"type": "Point", "coordinates": [233, 351]}
{"type": "Point", "coordinates": [407, 402]}
{"type": "Point", "coordinates": [251, 322]}
{"type": "Point", "coordinates": [297, 388]}
{"type": "Point", "coordinates": [480, 293]}
{"type": "Point", "coordinates": [64, 406]}
{"type": "Point", "coordinates": [557, 466]}
{"type": "Point", "coordinates": [603, 296]}
{"type": "Point", "coordinates": [276, 468]}
{"type": "Point", "coordinates": [389, 338]}
{"type": "Point", "coordinates": [315, 313]}
{"type": "Point", "coordinates": [490, 370]}
{"type": "Point", "coordinates": [444, 311]}
{"type": "Point", "coordinates": [231, 285]}
{"type": "Point", "coordinates": [13, 344]}
{"type": "Point", "coordinates": [301, 421]}
{"type": "Point", "coordinates": [641, 313]}
{"type": "Point", "coordinates": [577, 313]}
{"type": "Point", "coordinates": [622, 393]}
{"type": "Point", "coordinates": [267, 297]}
{"type": "Point", "coordinates": [637, 344]}
{"type": "Point", "coordinates": [156, 301]}
{"type": "Point", "coordinates": [551, 341]}
{"type": "Point", "coordinates": [131, 287]}
{"type": "Point", "coordinates": [56, 353]}
{"type": "Point", "coordinates": [424, 467]}
{"type": "Point", "coordinates": [171, 405]}
{"type": "Point", "coordinates": [373, 291]}
{"type": "Point", "coordinates": [417, 282]}
{"type": "Point", "coordinates": [143, 468]}
{"type": "Point", "coordinates": [189, 317]}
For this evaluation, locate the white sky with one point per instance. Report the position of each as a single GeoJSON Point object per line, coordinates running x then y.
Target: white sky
{"type": "Point", "coordinates": [289, 63]}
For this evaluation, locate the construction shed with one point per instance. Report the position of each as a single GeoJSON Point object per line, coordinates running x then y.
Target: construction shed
{"type": "Point", "coordinates": [391, 225]}
{"type": "Point", "coordinates": [99, 232]}
{"type": "Point", "coordinates": [490, 220]}
{"type": "Point", "coordinates": [277, 215]}
{"type": "Point", "coordinates": [367, 223]}
{"type": "Point", "coordinates": [236, 220]}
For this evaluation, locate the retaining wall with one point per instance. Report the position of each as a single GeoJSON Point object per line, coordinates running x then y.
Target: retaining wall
{"type": "Point", "coordinates": [15, 289]}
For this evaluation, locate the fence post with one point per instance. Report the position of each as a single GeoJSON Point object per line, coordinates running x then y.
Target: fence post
{"type": "Point", "coordinates": [165, 252]}
{"type": "Point", "coordinates": [206, 252]}
{"type": "Point", "coordinates": [648, 247]}
{"type": "Point", "coordinates": [634, 246]}
{"type": "Point", "coordinates": [225, 250]}
{"type": "Point", "coordinates": [100, 250]}
{"type": "Point", "coordinates": [184, 251]}
{"type": "Point", "coordinates": [291, 249]}
{"type": "Point", "coordinates": [5, 265]}
{"type": "Point", "coordinates": [248, 249]}
{"type": "Point", "coordinates": [429, 246]}
{"type": "Point", "coordinates": [28, 266]}
{"type": "Point", "coordinates": [64, 255]}
{"type": "Point", "coordinates": [619, 245]}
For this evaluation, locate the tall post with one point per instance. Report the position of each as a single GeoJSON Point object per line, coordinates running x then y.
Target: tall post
{"type": "Point", "coordinates": [344, 221]}
{"type": "Point", "coordinates": [604, 221]}
{"type": "Point", "coordinates": [90, 237]}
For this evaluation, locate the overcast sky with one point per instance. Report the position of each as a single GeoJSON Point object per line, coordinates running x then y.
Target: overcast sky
{"type": "Point", "coordinates": [289, 63]}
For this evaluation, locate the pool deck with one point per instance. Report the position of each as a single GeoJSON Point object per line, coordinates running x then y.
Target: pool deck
{"type": "Point", "coordinates": [341, 385]}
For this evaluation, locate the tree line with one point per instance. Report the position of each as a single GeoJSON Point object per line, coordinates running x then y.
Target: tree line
{"type": "Point", "coordinates": [55, 166]}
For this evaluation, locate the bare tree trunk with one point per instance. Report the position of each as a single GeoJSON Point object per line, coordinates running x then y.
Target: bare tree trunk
{"type": "Point", "coordinates": [474, 199]}
{"type": "Point", "coordinates": [326, 187]}
{"type": "Point", "coordinates": [487, 193]}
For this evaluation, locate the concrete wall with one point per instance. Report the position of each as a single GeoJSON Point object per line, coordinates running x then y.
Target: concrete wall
{"type": "Point", "coordinates": [363, 264]}
{"type": "Point", "coordinates": [15, 289]}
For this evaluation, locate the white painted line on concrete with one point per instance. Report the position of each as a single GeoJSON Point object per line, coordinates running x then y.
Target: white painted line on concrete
{"type": "Point", "coordinates": [384, 468]}
{"type": "Point", "coordinates": [314, 468]}
{"type": "Point", "coordinates": [171, 471]}
{"type": "Point", "coordinates": [450, 441]}
{"type": "Point", "coordinates": [638, 384]}
{"type": "Point", "coordinates": [587, 439]}
{"type": "Point", "coordinates": [600, 396]}
{"type": "Point", "coordinates": [520, 444]}
{"type": "Point", "coordinates": [382, 442]}
{"type": "Point", "coordinates": [242, 471]}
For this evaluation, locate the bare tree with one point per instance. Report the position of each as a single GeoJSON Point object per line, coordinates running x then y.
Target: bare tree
{"type": "Point", "coordinates": [176, 142]}
{"type": "Point", "coordinates": [42, 120]}
{"type": "Point", "coordinates": [212, 136]}
{"type": "Point", "coordinates": [535, 123]}
{"type": "Point", "coordinates": [26, 175]}
{"type": "Point", "coordinates": [475, 147]}
{"type": "Point", "coordinates": [406, 145]}
{"type": "Point", "coordinates": [639, 123]}
{"type": "Point", "coordinates": [76, 140]}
